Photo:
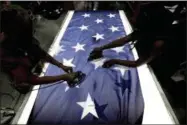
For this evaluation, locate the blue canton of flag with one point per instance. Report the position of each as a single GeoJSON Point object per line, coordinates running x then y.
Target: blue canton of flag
{"type": "Point", "coordinates": [106, 95]}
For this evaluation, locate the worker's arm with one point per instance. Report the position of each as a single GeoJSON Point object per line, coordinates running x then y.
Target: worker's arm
{"type": "Point", "coordinates": [117, 43]}
{"type": "Point", "coordinates": [127, 63]}
{"type": "Point", "coordinates": [50, 59]}
{"type": "Point", "coordinates": [36, 50]}
{"type": "Point", "coordinates": [97, 52]}
{"type": "Point", "coordinates": [142, 60]}
{"type": "Point", "coordinates": [35, 80]}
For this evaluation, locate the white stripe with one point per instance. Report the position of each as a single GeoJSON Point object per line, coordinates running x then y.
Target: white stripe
{"type": "Point", "coordinates": [157, 108]}
{"type": "Point", "coordinates": [23, 119]}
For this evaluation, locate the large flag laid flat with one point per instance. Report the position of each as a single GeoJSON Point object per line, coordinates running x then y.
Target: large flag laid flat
{"type": "Point", "coordinates": [106, 95]}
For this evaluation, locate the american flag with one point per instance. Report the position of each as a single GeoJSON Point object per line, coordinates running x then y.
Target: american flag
{"type": "Point", "coordinates": [106, 96]}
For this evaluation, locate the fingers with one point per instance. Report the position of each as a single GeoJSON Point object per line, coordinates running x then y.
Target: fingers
{"type": "Point", "coordinates": [77, 73]}
{"type": "Point", "coordinates": [75, 79]}
{"type": "Point", "coordinates": [70, 70]}
{"type": "Point", "coordinates": [94, 56]}
{"type": "Point", "coordinates": [90, 58]}
{"type": "Point", "coordinates": [107, 64]}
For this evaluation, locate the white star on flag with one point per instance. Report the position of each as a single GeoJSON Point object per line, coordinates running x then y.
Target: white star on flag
{"type": "Point", "coordinates": [122, 69]}
{"type": "Point", "coordinates": [113, 28]}
{"type": "Point", "coordinates": [68, 62]}
{"type": "Point", "coordinates": [67, 86]}
{"type": "Point", "coordinates": [98, 63]}
{"type": "Point", "coordinates": [118, 49]}
{"type": "Point", "coordinates": [99, 21]}
{"type": "Point", "coordinates": [86, 15]}
{"type": "Point", "coordinates": [79, 47]}
{"type": "Point", "coordinates": [57, 49]}
{"type": "Point", "coordinates": [83, 27]}
{"type": "Point", "coordinates": [98, 36]}
{"type": "Point", "coordinates": [88, 107]}
{"type": "Point", "coordinates": [111, 15]}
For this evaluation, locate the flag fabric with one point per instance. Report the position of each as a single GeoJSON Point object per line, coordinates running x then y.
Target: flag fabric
{"type": "Point", "coordinates": [106, 96]}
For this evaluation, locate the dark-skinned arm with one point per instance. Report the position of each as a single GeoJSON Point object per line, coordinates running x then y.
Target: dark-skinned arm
{"type": "Point", "coordinates": [53, 61]}
{"type": "Point", "coordinates": [97, 52]}
{"type": "Point", "coordinates": [127, 63]}
{"type": "Point", "coordinates": [51, 79]}
{"type": "Point", "coordinates": [136, 63]}
{"type": "Point", "coordinates": [117, 43]}
{"type": "Point", "coordinates": [50, 59]}
{"type": "Point", "coordinates": [38, 51]}
{"type": "Point", "coordinates": [142, 60]}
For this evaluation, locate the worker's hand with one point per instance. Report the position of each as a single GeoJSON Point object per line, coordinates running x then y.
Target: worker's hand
{"type": "Point", "coordinates": [71, 76]}
{"type": "Point", "coordinates": [66, 68]}
{"type": "Point", "coordinates": [95, 54]}
{"type": "Point", "coordinates": [109, 63]}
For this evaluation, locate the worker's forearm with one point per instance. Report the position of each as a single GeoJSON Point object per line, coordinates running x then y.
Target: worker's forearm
{"type": "Point", "coordinates": [126, 63]}
{"type": "Point", "coordinates": [50, 59]}
{"type": "Point", "coordinates": [36, 50]}
{"type": "Point", "coordinates": [48, 79]}
{"type": "Point", "coordinates": [116, 43]}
